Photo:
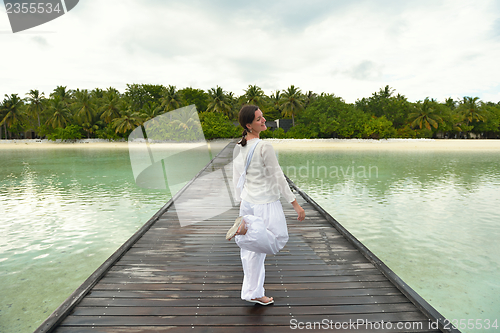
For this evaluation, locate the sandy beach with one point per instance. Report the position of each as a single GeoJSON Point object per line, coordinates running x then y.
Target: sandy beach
{"type": "Point", "coordinates": [285, 144]}
{"type": "Point", "coordinates": [389, 144]}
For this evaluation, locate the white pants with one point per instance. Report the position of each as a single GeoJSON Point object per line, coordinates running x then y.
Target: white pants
{"type": "Point", "coordinates": [266, 234]}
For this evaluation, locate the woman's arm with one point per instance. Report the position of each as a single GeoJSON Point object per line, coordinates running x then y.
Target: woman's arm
{"type": "Point", "coordinates": [300, 211]}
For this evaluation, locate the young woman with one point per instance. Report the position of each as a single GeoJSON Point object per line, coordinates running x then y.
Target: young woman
{"type": "Point", "coordinates": [261, 228]}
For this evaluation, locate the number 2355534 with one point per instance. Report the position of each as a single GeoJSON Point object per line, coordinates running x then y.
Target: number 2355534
{"type": "Point", "coordinates": [478, 324]}
{"type": "Point", "coordinates": [32, 8]}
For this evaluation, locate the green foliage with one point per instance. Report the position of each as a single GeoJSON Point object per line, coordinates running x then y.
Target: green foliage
{"type": "Point", "coordinates": [111, 115]}
{"type": "Point", "coordinates": [108, 133]}
{"type": "Point", "coordinates": [379, 128]}
{"type": "Point", "coordinates": [492, 119]}
{"type": "Point", "coordinates": [44, 130]}
{"type": "Point", "coordinates": [217, 125]}
{"type": "Point", "coordinates": [219, 101]}
{"type": "Point", "coordinates": [291, 102]}
{"type": "Point", "coordinates": [301, 131]}
{"type": "Point", "coordinates": [254, 95]}
{"type": "Point", "coordinates": [278, 133]}
{"type": "Point", "coordinates": [71, 132]}
{"type": "Point", "coordinates": [424, 133]}
{"type": "Point", "coordinates": [194, 96]}
{"type": "Point", "coordinates": [110, 105]}
{"type": "Point", "coordinates": [126, 123]}
{"type": "Point", "coordinates": [170, 99]}
{"type": "Point", "coordinates": [406, 132]}
{"type": "Point", "coordinates": [321, 117]}
{"type": "Point", "coordinates": [384, 103]}
{"type": "Point", "coordinates": [137, 95]}
{"type": "Point", "coordinates": [424, 115]}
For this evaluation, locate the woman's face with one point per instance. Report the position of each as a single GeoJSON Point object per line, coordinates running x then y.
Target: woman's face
{"type": "Point", "coordinates": [259, 123]}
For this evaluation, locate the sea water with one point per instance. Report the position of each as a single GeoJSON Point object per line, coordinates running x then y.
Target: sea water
{"type": "Point", "coordinates": [63, 212]}
{"type": "Point", "coordinates": [432, 217]}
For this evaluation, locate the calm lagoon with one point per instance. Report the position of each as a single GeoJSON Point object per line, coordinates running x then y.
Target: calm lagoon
{"type": "Point", "coordinates": [431, 216]}
{"type": "Point", "coordinates": [64, 209]}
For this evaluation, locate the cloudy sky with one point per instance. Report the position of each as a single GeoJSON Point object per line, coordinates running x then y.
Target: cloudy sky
{"type": "Point", "coordinates": [349, 48]}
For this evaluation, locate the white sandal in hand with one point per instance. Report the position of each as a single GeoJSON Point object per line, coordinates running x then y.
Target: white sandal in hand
{"type": "Point", "coordinates": [234, 230]}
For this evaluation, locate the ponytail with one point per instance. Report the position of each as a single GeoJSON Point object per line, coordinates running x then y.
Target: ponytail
{"type": "Point", "coordinates": [243, 141]}
{"type": "Point", "coordinates": [246, 116]}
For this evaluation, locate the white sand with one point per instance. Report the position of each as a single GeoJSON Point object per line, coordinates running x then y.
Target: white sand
{"type": "Point", "coordinates": [286, 144]}
{"type": "Point", "coordinates": [98, 143]}
{"type": "Point", "coordinates": [31, 144]}
{"type": "Point", "coordinates": [389, 144]}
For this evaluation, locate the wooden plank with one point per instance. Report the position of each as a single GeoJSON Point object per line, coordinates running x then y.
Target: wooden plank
{"type": "Point", "coordinates": [236, 301]}
{"type": "Point", "coordinates": [420, 327]}
{"type": "Point", "coordinates": [243, 310]}
{"type": "Point", "coordinates": [161, 294]}
{"type": "Point", "coordinates": [223, 320]}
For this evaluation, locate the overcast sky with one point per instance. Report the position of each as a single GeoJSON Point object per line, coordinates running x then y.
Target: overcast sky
{"type": "Point", "coordinates": [349, 48]}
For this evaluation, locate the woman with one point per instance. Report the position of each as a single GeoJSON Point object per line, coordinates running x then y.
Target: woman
{"type": "Point", "coordinates": [261, 228]}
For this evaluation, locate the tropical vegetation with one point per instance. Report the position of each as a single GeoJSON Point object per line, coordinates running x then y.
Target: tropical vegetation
{"type": "Point", "coordinates": [68, 114]}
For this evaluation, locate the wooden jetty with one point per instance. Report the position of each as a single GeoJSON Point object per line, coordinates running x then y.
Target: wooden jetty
{"type": "Point", "coordinates": [188, 279]}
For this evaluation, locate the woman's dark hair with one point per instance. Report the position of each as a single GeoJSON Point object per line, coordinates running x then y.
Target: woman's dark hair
{"type": "Point", "coordinates": [246, 116]}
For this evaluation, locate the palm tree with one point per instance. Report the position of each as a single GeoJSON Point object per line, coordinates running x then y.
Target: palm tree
{"type": "Point", "coordinates": [309, 98]}
{"type": "Point", "coordinates": [59, 112]}
{"type": "Point", "coordinates": [149, 111]}
{"type": "Point", "coordinates": [84, 106]}
{"type": "Point", "coordinates": [254, 95]}
{"type": "Point", "coordinates": [275, 99]}
{"type": "Point", "coordinates": [63, 93]}
{"type": "Point", "coordinates": [450, 103]}
{"type": "Point", "coordinates": [12, 111]}
{"type": "Point", "coordinates": [126, 122]}
{"type": "Point", "coordinates": [219, 102]}
{"type": "Point", "coordinates": [35, 106]}
{"type": "Point", "coordinates": [471, 109]}
{"type": "Point", "coordinates": [424, 115]}
{"type": "Point", "coordinates": [170, 99]}
{"type": "Point", "coordinates": [111, 105]}
{"type": "Point", "coordinates": [291, 102]}
{"type": "Point", "coordinates": [2, 114]}
{"type": "Point", "coordinates": [233, 102]}
{"type": "Point", "coordinates": [91, 128]}
{"type": "Point", "coordinates": [186, 125]}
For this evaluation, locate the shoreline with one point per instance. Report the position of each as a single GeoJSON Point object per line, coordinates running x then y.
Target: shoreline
{"type": "Point", "coordinates": [389, 144]}
{"type": "Point", "coordinates": [285, 144]}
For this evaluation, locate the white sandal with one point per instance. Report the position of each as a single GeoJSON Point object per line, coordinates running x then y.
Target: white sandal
{"type": "Point", "coordinates": [234, 229]}
{"type": "Point", "coordinates": [262, 303]}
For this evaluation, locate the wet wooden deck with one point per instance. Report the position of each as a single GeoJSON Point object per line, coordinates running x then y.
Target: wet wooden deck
{"type": "Point", "coordinates": [188, 279]}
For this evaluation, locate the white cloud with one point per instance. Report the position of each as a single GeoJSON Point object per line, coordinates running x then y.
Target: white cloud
{"type": "Point", "coordinates": [420, 48]}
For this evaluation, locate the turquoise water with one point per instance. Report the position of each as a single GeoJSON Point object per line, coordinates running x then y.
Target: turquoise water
{"type": "Point", "coordinates": [63, 212]}
{"type": "Point", "coordinates": [431, 216]}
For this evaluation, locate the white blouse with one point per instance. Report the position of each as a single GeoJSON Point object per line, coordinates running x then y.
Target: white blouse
{"type": "Point", "coordinates": [265, 179]}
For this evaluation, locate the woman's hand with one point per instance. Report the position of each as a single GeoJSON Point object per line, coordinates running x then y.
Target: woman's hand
{"type": "Point", "coordinates": [300, 211]}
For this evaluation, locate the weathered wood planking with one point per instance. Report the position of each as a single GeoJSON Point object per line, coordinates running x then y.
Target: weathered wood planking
{"type": "Point", "coordinates": [188, 279]}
